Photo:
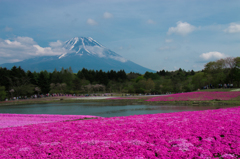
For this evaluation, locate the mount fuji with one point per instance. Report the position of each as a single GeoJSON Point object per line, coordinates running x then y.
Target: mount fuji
{"type": "Point", "coordinates": [81, 52]}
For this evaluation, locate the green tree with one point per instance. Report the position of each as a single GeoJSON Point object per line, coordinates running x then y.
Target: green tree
{"type": "Point", "coordinates": [236, 71]}
{"type": "Point", "coordinates": [32, 77]}
{"type": "Point", "coordinates": [188, 86]}
{"type": "Point", "coordinates": [112, 86]}
{"type": "Point", "coordinates": [139, 78]}
{"type": "Point", "coordinates": [140, 86]}
{"type": "Point", "coordinates": [132, 75]}
{"type": "Point", "coordinates": [130, 87]}
{"type": "Point", "coordinates": [221, 71]}
{"type": "Point", "coordinates": [149, 86]}
{"type": "Point", "coordinates": [167, 85]}
{"type": "Point", "coordinates": [153, 76]}
{"type": "Point", "coordinates": [199, 80]}
{"type": "Point", "coordinates": [214, 71]}
{"type": "Point", "coordinates": [44, 81]}
{"type": "Point", "coordinates": [3, 94]}
{"type": "Point", "coordinates": [4, 78]}
{"type": "Point", "coordinates": [76, 85]}
{"type": "Point", "coordinates": [21, 86]}
{"type": "Point", "coordinates": [58, 88]}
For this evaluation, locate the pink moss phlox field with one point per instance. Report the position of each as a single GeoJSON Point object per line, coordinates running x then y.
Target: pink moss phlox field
{"type": "Point", "coordinates": [121, 98]}
{"type": "Point", "coordinates": [197, 134]}
{"type": "Point", "coordinates": [12, 120]}
{"type": "Point", "coordinates": [197, 96]}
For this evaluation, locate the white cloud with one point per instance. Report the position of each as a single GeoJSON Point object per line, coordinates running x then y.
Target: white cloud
{"type": "Point", "coordinates": [21, 48]}
{"type": "Point", "coordinates": [7, 29]}
{"type": "Point", "coordinates": [150, 21]}
{"type": "Point", "coordinates": [25, 40]}
{"type": "Point", "coordinates": [14, 60]}
{"type": "Point", "coordinates": [212, 55]}
{"type": "Point", "coordinates": [233, 28]}
{"type": "Point", "coordinates": [58, 43]}
{"type": "Point", "coordinates": [107, 15]}
{"type": "Point", "coordinates": [99, 51]}
{"type": "Point", "coordinates": [91, 22]}
{"type": "Point", "coordinates": [182, 28]}
{"type": "Point", "coordinates": [169, 40]}
{"type": "Point", "coordinates": [118, 58]}
{"type": "Point", "coordinates": [96, 50]}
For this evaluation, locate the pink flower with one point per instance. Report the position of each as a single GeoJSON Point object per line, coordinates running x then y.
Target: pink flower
{"type": "Point", "coordinates": [196, 134]}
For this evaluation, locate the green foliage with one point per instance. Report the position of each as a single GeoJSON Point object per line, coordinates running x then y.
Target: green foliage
{"type": "Point", "coordinates": [153, 76]}
{"type": "Point", "coordinates": [166, 86]}
{"type": "Point", "coordinates": [149, 86]}
{"type": "Point", "coordinates": [3, 94]}
{"type": "Point", "coordinates": [44, 81]}
{"type": "Point", "coordinates": [90, 81]}
{"type": "Point", "coordinates": [222, 71]}
{"type": "Point", "coordinates": [236, 71]}
{"type": "Point", "coordinates": [58, 88]}
{"type": "Point", "coordinates": [199, 80]}
{"type": "Point", "coordinates": [139, 78]}
{"type": "Point", "coordinates": [132, 75]}
{"type": "Point", "coordinates": [76, 86]}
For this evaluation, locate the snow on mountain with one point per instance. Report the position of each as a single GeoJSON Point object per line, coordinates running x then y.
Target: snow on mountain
{"type": "Point", "coordinates": [81, 53]}
{"type": "Point", "coordinates": [88, 46]}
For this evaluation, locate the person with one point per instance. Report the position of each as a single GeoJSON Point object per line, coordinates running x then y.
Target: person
{"type": "Point", "coordinates": [225, 86]}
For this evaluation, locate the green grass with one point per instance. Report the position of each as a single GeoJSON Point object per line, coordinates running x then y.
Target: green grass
{"type": "Point", "coordinates": [219, 90]}
{"type": "Point", "coordinates": [140, 100]}
{"type": "Point", "coordinates": [238, 89]}
{"type": "Point", "coordinates": [232, 102]}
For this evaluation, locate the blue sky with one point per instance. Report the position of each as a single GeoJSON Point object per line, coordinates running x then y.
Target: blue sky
{"type": "Point", "coordinates": [157, 34]}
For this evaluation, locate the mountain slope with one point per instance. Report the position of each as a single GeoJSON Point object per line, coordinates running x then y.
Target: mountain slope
{"type": "Point", "coordinates": [81, 52]}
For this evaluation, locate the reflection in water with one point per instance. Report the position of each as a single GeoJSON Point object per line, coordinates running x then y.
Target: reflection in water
{"type": "Point", "coordinates": [108, 109]}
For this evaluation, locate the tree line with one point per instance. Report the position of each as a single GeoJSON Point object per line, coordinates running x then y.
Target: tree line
{"type": "Point", "coordinates": [17, 82]}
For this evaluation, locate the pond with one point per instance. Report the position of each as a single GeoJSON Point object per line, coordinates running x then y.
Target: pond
{"type": "Point", "coordinates": [108, 109]}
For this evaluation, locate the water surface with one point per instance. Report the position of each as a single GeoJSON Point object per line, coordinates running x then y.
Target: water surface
{"type": "Point", "coordinates": [108, 109]}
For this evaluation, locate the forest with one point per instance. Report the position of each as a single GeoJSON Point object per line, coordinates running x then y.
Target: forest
{"type": "Point", "coordinates": [17, 82]}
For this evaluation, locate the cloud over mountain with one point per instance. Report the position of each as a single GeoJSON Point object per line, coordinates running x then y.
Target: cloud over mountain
{"type": "Point", "coordinates": [78, 53]}
{"type": "Point", "coordinates": [150, 21]}
{"type": "Point", "coordinates": [212, 55]}
{"type": "Point", "coordinates": [8, 29]}
{"type": "Point", "coordinates": [233, 28]}
{"type": "Point", "coordinates": [91, 22]}
{"type": "Point", "coordinates": [182, 28]}
{"type": "Point", "coordinates": [107, 15]}
{"type": "Point", "coordinates": [21, 48]}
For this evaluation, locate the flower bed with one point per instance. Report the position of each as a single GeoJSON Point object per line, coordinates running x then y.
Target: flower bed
{"type": "Point", "coordinates": [13, 120]}
{"type": "Point", "coordinates": [197, 96]}
{"type": "Point", "coordinates": [199, 134]}
{"type": "Point", "coordinates": [121, 98]}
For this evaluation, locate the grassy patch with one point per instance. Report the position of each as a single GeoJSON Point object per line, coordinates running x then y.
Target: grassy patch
{"type": "Point", "coordinates": [141, 100]}
{"type": "Point", "coordinates": [218, 90]}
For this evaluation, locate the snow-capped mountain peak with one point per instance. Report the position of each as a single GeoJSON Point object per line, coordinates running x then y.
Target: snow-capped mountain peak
{"type": "Point", "coordinates": [88, 46]}
{"type": "Point", "coordinates": [80, 52]}
{"type": "Point", "coordinates": [81, 41]}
